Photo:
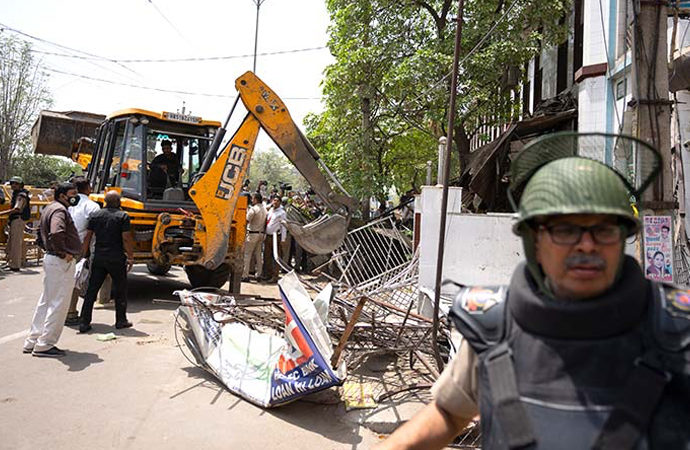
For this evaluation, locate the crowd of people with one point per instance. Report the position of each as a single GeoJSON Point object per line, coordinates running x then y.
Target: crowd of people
{"type": "Point", "coordinates": [266, 216]}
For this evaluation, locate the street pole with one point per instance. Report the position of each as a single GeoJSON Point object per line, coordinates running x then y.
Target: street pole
{"type": "Point", "coordinates": [258, 4]}
{"type": "Point", "coordinates": [651, 102]}
{"type": "Point", "coordinates": [446, 177]}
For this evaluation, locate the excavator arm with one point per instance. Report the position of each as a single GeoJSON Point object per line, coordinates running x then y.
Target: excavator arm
{"type": "Point", "coordinates": [217, 190]}
{"type": "Point", "coordinates": [276, 121]}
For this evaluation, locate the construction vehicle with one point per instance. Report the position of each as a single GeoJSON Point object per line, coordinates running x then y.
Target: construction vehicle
{"type": "Point", "coordinates": [197, 218]}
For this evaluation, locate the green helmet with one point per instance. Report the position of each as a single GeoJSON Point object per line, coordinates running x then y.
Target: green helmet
{"type": "Point", "coordinates": [561, 173]}
{"type": "Point", "coordinates": [576, 185]}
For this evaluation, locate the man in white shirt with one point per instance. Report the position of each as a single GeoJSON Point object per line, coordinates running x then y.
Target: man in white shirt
{"type": "Point", "coordinates": [80, 215]}
{"type": "Point", "coordinates": [274, 224]}
{"type": "Point", "coordinates": [256, 225]}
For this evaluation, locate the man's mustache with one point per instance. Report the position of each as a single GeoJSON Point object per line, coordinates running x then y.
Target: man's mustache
{"type": "Point", "coordinates": [581, 259]}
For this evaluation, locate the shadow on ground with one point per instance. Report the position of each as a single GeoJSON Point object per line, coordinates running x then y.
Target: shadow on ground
{"type": "Point", "coordinates": [319, 413]}
{"type": "Point", "coordinates": [78, 361]}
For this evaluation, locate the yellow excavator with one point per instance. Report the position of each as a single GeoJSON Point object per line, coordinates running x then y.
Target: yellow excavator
{"type": "Point", "coordinates": [195, 215]}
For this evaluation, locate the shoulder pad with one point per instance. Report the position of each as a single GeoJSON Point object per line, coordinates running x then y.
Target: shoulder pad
{"type": "Point", "coordinates": [478, 312]}
{"type": "Point", "coordinates": [671, 316]}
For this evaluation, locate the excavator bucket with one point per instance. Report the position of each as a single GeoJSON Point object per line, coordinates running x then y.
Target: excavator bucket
{"type": "Point", "coordinates": [59, 133]}
{"type": "Point", "coordinates": [321, 236]}
{"type": "Point", "coordinates": [328, 232]}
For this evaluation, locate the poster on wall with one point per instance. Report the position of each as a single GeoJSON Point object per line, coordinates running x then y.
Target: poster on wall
{"type": "Point", "coordinates": [658, 248]}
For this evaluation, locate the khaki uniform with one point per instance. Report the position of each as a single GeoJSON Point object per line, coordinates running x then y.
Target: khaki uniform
{"type": "Point", "coordinates": [456, 390]}
{"type": "Point", "coordinates": [256, 224]}
{"type": "Point", "coordinates": [16, 248]}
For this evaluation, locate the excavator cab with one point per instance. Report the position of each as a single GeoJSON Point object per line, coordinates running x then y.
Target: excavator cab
{"type": "Point", "coordinates": [150, 157]}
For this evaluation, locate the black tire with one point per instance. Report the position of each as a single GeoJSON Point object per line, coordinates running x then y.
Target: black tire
{"type": "Point", "coordinates": [199, 276]}
{"type": "Point", "coordinates": [157, 269]}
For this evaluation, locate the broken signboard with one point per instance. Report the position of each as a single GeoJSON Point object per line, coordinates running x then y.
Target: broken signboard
{"type": "Point", "coordinates": [267, 368]}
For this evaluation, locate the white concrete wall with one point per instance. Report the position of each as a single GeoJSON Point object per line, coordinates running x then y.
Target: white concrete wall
{"type": "Point", "coordinates": [592, 107]}
{"type": "Point", "coordinates": [594, 49]}
{"type": "Point", "coordinates": [480, 249]}
{"type": "Point", "coordinates": [430, 208]}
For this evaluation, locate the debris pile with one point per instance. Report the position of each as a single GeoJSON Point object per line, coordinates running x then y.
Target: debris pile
{"type": "Point", "coordinates": [377, 293]}
{"type": "Point", "coordinates": [241, 345]}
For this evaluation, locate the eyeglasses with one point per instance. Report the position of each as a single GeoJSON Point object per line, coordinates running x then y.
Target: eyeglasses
{"type": "Point", "coordinates": [569, 234]}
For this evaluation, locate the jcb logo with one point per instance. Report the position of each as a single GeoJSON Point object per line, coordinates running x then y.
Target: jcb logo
{"type": "Point", "coordinates": [231, 172]}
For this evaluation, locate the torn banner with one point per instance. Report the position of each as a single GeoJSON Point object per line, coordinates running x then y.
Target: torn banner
{"type": "Point", "coordinates": [264, 368]}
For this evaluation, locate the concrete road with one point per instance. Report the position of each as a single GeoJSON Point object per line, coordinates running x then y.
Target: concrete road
{"type": "Point", "coordinates": [138, 391]}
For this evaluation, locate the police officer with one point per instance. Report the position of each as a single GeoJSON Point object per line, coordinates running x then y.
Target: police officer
{"type": "Point", "coordinates": [580, 350]}
{"type": "Point", "coordinates": [19, 213]}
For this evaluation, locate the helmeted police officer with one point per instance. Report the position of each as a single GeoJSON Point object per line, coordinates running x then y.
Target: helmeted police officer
{"type": "Point", "coordinates": [579, 350]}
{"type": "Point", "coordinates": [18, 214]}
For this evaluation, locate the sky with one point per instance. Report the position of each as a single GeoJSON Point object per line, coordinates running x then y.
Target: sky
{"type": "Point", "coordinates": [101, 31]}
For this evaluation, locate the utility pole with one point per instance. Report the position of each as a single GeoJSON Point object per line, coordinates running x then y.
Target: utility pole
{"type": "Point", "coordinates": [651, 102]}
{"type": "Point", "coordinates": [446, 176]}
{"type": "Point", "coordinates": [651, 95]}
{"type": "Point", "coordinates": [258, 4]}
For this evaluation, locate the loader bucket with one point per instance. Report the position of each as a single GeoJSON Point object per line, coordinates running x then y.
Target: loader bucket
{"type": "Point", "coordinates": [321, 236]}
{"type": "Point", "coordinates": [58, 133]}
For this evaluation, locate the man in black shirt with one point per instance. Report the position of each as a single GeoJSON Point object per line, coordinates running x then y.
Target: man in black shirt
{"type": "Point", "coordinates": [168, 163]}
{"type": "Point", "coordinates": [113, 239]}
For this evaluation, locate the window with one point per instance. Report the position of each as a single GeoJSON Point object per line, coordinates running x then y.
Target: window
{"type": "Point", "coordinates": [119, 137]}
{"type": "Point", "coordinates": [132, 156]}
{"type": "Point", "coordinates": [621, 88]}
{"type": "Point", "coordinates": [177, 168]}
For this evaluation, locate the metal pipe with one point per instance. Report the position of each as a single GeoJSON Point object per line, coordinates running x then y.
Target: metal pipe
{"type": "Point", "coordinates": [217, 139]}
{"type": "Point", "coordinates": [441, 160]}
{"type": "Point", "coordinates": [446, 176]}
{"type": "Point", "coordinates": [256, 32]}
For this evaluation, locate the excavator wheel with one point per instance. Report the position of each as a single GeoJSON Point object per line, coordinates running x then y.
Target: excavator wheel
{"type": "Point", "coordinates": [157, 269]}
{"type": "Point", "coordinates": [199, 276]}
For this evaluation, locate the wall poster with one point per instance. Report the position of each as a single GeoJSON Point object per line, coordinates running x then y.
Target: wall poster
{"type": "Point", "coordinates": [658, 248]}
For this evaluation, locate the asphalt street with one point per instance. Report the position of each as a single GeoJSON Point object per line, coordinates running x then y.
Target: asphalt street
{"type": "Point", "coordinates": [138, 391]}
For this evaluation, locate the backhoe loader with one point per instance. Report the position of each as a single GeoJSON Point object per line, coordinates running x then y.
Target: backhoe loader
{"type": "Point", "coordinates": [190, 211]}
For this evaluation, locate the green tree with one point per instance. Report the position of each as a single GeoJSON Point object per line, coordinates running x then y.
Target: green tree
{"type": "Point", "coordinates": [42, 170]}
{"type": "Point", "coordinates": [274, 167]}
{"type": "Point", "coordinates": [23, 93]}
{"type": "Point", "coordinates": [387, 92]}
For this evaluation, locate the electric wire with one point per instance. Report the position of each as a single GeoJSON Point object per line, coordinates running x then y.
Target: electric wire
{"type": "Point", "coordinates": [172, 25]}
{"type": "Point", "coordinates": [175, 60]}
{"type": "Point", "coordinates": [151, 88]}
{"type": "Point", "coordinates": [64, 47]}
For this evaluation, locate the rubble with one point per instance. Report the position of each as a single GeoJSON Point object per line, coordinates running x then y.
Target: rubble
{"type": "Point", "coordinates": [242, 347]}
{"type": "Point", "coordinates": [366, 301]}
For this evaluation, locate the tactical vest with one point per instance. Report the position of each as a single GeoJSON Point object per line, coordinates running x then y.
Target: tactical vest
{"type": "Point", "coordinates": [25, 213]}
{"type": "Point", "coordinates": [613, 374]}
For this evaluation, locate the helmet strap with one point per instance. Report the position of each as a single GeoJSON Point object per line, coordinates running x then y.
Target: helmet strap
{"type": "Point", "coordinates": [529, 244]}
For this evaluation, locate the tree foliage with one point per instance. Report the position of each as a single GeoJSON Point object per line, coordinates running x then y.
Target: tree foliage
{"type": "Point", "coordinates": [42, 170]}
{"type": "Point", "coordinates": [387, 92]}
{"type": "Point", "coordinates": [273, 167]}
{"type": "Point", "coordinates": [23, 93]}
